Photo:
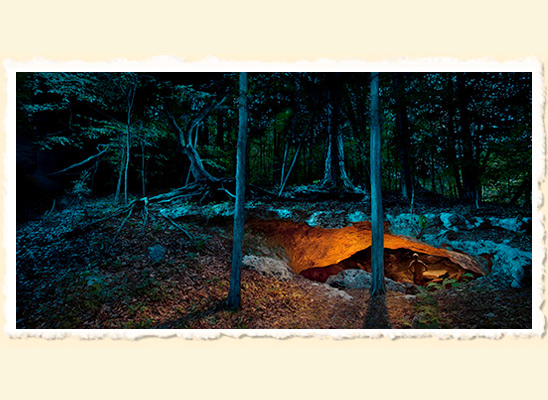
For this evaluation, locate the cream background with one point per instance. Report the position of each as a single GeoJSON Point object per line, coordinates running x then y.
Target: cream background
{"type": "Point", "coordinates": [266, 368]}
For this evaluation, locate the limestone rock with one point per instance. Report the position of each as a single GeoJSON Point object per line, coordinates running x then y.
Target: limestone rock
{"type": "Point", "coordinates": [357, 216]}
{"type": "Point", "coordinates": [269, 267]}
{"type": "Point", "coordinates": [359, 279]}
{"type": "Point", "coordinates": [333, 292]}
{"type": "Point", "coordinates": [350, 279]}
{"type": "Point", "coordinates": [455, 222]}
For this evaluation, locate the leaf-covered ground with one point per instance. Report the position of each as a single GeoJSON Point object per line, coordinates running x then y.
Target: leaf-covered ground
{"type": "Point", "coordinates": [102, 277]}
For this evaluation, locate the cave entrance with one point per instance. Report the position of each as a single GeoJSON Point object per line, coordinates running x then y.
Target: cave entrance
{"type": "Point", "coordinates": [318, 253]}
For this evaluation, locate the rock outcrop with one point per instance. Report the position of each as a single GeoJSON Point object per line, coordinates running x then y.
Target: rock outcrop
{"type": "Point", "coordinates": [359, 279]}
{"type": "Point", "coordinates": [269, 267]}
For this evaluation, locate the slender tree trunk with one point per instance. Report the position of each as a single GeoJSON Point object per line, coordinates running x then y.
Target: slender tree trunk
{"type": "Point", "coordinates": [342, 165]}
{"type": "Point", "coordinates": [290, 169]}
{"type": "Point", "coordinates": [143, 171]}
{"type": "Point", "coordinates": [233, 300]}
{"type": "Point", "coordinates": [127, 161]}
{"type": "Point", "coordinates": [130, 96]}
{"type": "Point", "coordinates": [275, 154]}
{"type": "Point", "coordinates": [286, 177]}
{"type": "Point", "coordinates": [453, 146]}
{"type": "Point", "coordinates": [220, 137]}
{"type": "Point", "coordinates": [469, 170]}
{"type": "Point", "coordinates": [282, 175]}
{"type": "Point", "coordinates": [403, 135]}
{"type": "Point", "coordinates": [335, 172]}
{"type": "Point", "coordinates": [377, 218]}
{"type": "Point", "coordinates": [120, 175]}
{"type": "Point", "coordinates": [389, 167]}
{"type": "Point", "coordinates": [432, 172]}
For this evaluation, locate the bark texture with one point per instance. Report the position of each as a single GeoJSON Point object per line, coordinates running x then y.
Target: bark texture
{"type": "Point", "coordinates": [377, 246]}
{"type": "Point", "coordinates": [233, 300]}
{"type": "Point", "coordinates": [403, 135]}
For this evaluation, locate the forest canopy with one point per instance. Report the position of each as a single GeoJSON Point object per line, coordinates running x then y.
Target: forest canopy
{"type": "Point", "coordinates": [463, 136]}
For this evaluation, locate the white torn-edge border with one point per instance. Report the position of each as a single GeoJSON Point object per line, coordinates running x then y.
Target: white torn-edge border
{"type": "Point", "coordinates": [212, 64]}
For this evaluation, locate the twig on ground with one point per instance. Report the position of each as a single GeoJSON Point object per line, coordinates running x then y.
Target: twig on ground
{"type": "Point", "coordinates": [145, 201]}
{"type": "Point", "coordinates": [178, 226]}
{"type": "Point", "coordinates": [121, 226]}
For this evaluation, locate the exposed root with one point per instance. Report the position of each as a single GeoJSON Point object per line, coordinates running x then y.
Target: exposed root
{"type": "Point", "coordinates": [178, 226]}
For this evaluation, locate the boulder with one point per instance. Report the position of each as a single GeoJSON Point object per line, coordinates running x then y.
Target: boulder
{"type": "Point", "coordinates": [350, 279]}
{"type": "Point", "coordinates": [313, 220]}
{"type": "Point", "coordinates": [359, 279]}
{"type": "Point", "coordinates": [333, 292]}
{"type": "Point", "coordinates": [410, 224]}
{"type": "Point", "coordinates": [157, 253]}
{"type": "Point", "coordinates": [512, 224]}
{"type": "Point", "coordinates": [357, 216]}
{"type": "Point", "coordinates": [499, 259]}
{"type": "Point", "coordinates": [455, 222]}
{"type": "Point", "coordinates": [269, 267]}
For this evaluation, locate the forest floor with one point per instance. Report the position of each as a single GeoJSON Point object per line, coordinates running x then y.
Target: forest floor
{"type": "Point", "coordinates": [103, 277]}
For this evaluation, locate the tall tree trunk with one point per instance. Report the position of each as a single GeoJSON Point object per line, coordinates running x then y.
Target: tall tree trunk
{"type": "Point", "coordinates": [126, 167]}
{"type": "Point", "coordinates": [295, 156]}
{"type": "Point", "coordinates": [335, 175]}
{"type": "Point", "coordinates": [130, 97]}
{"type": "Point", "coordinates": [469, 170]}
{"type": "Point", "coordinates": [403, 134]}
{"type": "Point", "coordinates": [290, 169]}
{"type": "Point", "coordinates": [233, 300]}
{"type": "Point", "coordinates": [453, 147]}
{"type": "Point", "coordinates": [143, 171]}
{"type": "Point", "coordinates": [120, 175]}
{"type": "Point", "coordinates": [282, 174]}
{"type": "Point", "coordinates": [220, 137]}
{"type": "Point", "coordinates": [432, 172]}
{"type": "Point", "coordinates": [377, 247]}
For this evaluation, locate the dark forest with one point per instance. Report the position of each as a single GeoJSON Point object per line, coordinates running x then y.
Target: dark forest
{"type": "Point", "coordinates": [274, 200]}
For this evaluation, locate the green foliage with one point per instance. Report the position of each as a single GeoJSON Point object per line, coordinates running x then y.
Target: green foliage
{"type": "Point", "coordinates": [200, 242]}
{"type": "Point", "coordinates": [80, 187]}
{"type": "Point", "coordinates": [75, 112]}
{"type": "Point", "coordinates": [423, 222]}
{"type": "Point", "coordinates": [52, 141]}
{"type": "Point", "coordinates": [428, 313]}
{"type": "Point", "coordinates": [428, 317]}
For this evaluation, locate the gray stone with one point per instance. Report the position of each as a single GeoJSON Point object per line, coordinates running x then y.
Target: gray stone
{"type": "Point", "coordinates": [269, 267]}
{"type": "Point", "coordinates": [333, 292]}
{"type": "Point", "coordinates": [508, 261]}
{"type": "Point", "coordinates": [350, 279]}
{"type": "Point", "coordinates": [280, 213]}
{"type": "Point", "coordinates": [510, 224]}
{"type": "Point", "coordinates": [359, 279]}
{"type": "Point", "coordinates": [455, 222]}
{"type": "Point", "coordinates": [357, 216]}
{"type": "Point", "coordinates": [157, 253]}
{"type": "Point", "coordinates": [403, 224]}
{"type": "Point", "coordinates": [313, 220]}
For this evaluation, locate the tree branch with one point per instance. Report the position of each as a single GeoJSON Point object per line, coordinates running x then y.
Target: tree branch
{"type": "Point", "coordinates": [182, 141]}
{"type": "Point", "coordinates": [82, 162]}
{"type": "Point", "coordinates": [185, 136]}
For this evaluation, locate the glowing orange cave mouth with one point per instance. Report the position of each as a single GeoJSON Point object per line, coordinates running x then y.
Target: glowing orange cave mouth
{"type": "Point", "coordinates": [318, 253]}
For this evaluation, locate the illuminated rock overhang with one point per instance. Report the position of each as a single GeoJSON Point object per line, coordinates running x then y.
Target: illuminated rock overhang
{"type": "Point", "coordinates": [313, 247]}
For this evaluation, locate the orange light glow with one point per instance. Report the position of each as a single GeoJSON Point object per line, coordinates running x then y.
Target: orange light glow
{"type": "Point", "coordinates": [314, 248]}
